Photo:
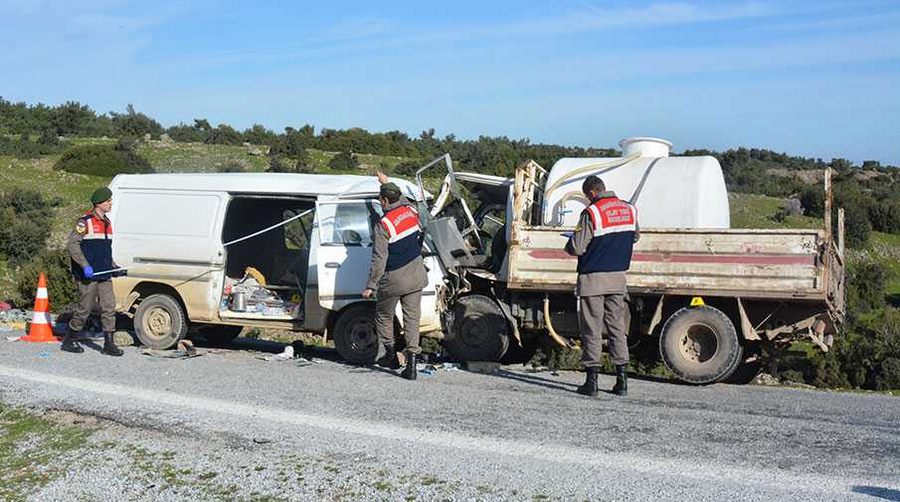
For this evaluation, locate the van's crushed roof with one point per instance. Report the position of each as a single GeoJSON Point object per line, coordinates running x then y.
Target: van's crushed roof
{"type": "Point", "coordinates": [262, 183]}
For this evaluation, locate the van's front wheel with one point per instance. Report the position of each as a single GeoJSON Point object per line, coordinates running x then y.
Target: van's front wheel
{"type": "Point", "coordinates": [355, 337]}
{"type": "Point", "coordinates": [478, 330]}
{"type": "Point", "coordinates": [160, 322]}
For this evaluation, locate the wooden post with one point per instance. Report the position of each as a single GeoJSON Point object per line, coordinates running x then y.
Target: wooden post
{"type": "Point", "coordinates": [828, 201]}
{"type": "Point", "coordinates": [841, 231]}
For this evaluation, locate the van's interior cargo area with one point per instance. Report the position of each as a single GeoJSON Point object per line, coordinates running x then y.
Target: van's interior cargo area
{"type": "Point", "coordinates": [266, 274]}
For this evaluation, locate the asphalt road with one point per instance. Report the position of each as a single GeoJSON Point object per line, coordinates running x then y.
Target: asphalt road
{"type": "Point", "coordinates": [326, 430]}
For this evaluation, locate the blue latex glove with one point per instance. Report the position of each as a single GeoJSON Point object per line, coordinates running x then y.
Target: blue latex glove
{"type": "Point", "coordinates": [88, 272]}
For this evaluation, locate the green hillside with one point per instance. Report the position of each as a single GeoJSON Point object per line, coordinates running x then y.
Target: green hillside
{"type": "Point", "coordinates": [761, 211]}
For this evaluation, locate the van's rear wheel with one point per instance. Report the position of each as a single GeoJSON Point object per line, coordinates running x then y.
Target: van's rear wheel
{"type": "Point", "coordinates": [700, 345]}
{"type": "Point", "coordinates": [478, 330]}
{"type": "Point", "coordinates": [160, 322]}
{"type": "Point", "coordinates": [355, 337]}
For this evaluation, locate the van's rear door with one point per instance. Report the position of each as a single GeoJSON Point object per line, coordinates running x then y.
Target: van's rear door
{"type": "Point", "coordinates": [172, 237]}
{"type": "Point", "coordinates": [168, 227]}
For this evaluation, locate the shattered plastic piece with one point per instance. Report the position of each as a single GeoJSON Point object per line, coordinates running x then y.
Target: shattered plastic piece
{"type": "Point", "coordinates": [12, 338]}
{"type": "Point", "coordinates": [44, 354]}
{"type": "Point", "coordinates": [287, 355]}
{"type": "Point", "coordinates": [187, 347]}
{"type": "Point", "coordinates": [170, 354]}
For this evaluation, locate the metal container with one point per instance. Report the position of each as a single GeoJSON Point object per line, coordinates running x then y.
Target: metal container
{"type": "Point", "coordinates": [238, 301]}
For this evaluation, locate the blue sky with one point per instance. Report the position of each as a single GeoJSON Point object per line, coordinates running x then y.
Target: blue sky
{"type": "Point", "coordinates": [813, 78]}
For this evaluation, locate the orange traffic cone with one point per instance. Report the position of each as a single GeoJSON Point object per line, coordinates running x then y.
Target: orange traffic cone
{"type": "Point", "coordinates": [40, 321]}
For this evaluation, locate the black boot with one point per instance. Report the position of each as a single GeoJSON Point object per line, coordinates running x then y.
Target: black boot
{"type": "Point", "coordinates": [410, 371]}
{"type": "Point", "coordinates": [590, 382]}
{"type": "Point", "coordinates": [109, 345]}
{"type": "Point", "coordinates": [69, 343]}
{"type": "Point", "coordinates": [389, 359]}
{"type": "Point", "coordinates": [621, 387]}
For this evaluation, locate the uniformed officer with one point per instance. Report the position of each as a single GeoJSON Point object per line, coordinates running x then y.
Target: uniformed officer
{"type": "Point", "coordinates": [398, 275]}
{"type": "Point", "coordinates": [603, 242]}
{"type": "Point", "coordinates": [90, 248]}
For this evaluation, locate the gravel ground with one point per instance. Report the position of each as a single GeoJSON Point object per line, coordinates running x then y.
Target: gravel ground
{"type": "Point", "coordinates": [228, 425]}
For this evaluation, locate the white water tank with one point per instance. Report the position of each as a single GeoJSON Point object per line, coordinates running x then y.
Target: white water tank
{"type": "Point", "coordinates": [669, 192]}
{"type": "Point", "coordinates": [645, 147]}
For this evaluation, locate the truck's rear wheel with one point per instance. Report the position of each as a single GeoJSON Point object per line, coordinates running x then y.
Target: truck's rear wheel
{"type": "Point", "coordinates": [355, 337]}
{"type": "Point", "coordinates": [478, 330]}
{"type": "Point", "coordinates": [700, 345]}
{"type": "Point", "coordinates": [160, 322]}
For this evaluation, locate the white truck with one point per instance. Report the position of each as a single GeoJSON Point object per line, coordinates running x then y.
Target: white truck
{"type": "Point", "coordinates": [497, 273]}
{"type": "Point", "coordinates": [711, 295]}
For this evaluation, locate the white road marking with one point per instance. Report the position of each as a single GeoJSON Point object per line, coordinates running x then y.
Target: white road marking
{"type": "Point", "coordinates": [777, 480]}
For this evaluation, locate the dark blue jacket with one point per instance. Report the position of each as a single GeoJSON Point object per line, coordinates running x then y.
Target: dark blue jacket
{"type": "Point", "coordinates": [614, 224]}
{"type": "Point", "coordinates": [95, 236]}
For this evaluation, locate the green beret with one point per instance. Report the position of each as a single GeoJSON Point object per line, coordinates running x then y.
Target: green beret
{"type": "Point", "coordinates": [101, 195]}
{"type": "Point", "coordinates": [389, 189]}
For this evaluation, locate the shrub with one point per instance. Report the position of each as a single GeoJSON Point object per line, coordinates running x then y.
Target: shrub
{"type": "Point", "coordinates": [232, 166]}
{"type": "Point", "coordinates": [102, 160]}
{"type": "Point", "coordinates": [223, 135]}
{"type": "Point", "coordinates": [867, 286]}
{"type": "Point", "coordinates": [343, 162]}
{"type": "Point", "coordinates": [792, 376]}
{"type": "Point", "coordinates": [25, 220]}
{"type": "Point", "coordinates": [285, 164]}
{"type": "Point", "coordinates": [259, 135]}
{"type": "Point", "coordinates": [885, 216]}
{"type": "Point", "coordinates": [186, 134]}
{"type": "Point", "coordinates": [856, 224]}
{"type": "Point", "coordinates": [132, 123]}
{"type": "Point", "coordinates": [406, 169]}
{"type": "Point", "coordinates": [49, 138]}
{"type": "Point", "coordinates": [60, 286]}
{"type": "Point", "coordinates": [889, 377]}
{"type": "Point", "coordinates": [25, 149]}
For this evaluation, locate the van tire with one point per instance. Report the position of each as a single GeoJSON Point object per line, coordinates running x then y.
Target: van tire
{"type": "Point", "coordinates": [355, 337]}
{"type": "Point", "coordinates": [700, 345]}
{"type": "Point", "coordinates": [477, 331]}
{"type": "Point", "coordinates": [159, 322]}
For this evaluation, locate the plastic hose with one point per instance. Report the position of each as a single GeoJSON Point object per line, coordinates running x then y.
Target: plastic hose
{"type": "Point", "coordinates": [608, 164]}
{"type": "Point", "coordinates": [553, 334]}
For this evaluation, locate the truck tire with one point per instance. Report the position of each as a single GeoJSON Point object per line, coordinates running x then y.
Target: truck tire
{"type": "Point", "coordinates": [160, 322]}
{"type": "Point", "coordinates": [478, 330]}
{"type": "Point", "coordinates": [355, 337]}
{"type": "Point", "coordinates": [220, 334]}
{"type": "Point", "coordinates": [700, 345]}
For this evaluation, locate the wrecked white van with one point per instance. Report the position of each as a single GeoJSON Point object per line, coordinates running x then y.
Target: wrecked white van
{"type": "Point", "coordinates": [220, 252]}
